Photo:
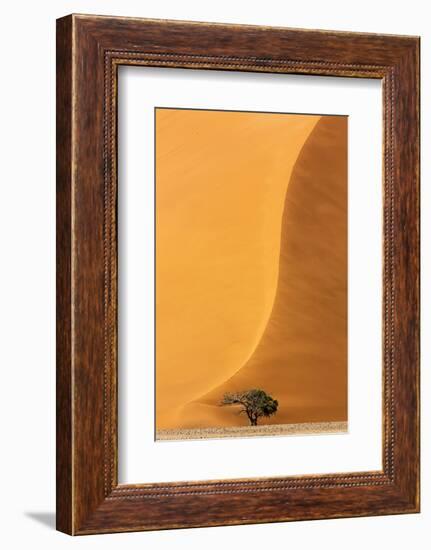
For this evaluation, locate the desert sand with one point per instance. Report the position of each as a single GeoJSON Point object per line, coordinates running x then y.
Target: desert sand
{"type": "Point", "coordinates": [251, 265]}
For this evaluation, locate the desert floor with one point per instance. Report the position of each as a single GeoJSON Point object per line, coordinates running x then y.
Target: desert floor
{"type": "Point", "coordinates": [307, 428]}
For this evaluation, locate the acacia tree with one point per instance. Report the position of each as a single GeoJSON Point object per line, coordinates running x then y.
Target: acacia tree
{"type": "Point", "coordinates": [254, 403]}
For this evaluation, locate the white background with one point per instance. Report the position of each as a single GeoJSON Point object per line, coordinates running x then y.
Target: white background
{"type": "Point", "coordinates": [27, 209]}
{"type": "Point", "coordinates": [141, 458]}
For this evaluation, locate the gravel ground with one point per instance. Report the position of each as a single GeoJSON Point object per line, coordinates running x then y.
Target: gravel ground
{"type": "Point", "coordinates": [249, 431]}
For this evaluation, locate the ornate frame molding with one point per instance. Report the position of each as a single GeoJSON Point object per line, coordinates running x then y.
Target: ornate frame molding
{"type": "Point", "coordinates": [90, 49]}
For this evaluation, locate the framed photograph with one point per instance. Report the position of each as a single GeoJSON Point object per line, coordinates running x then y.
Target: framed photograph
{"type": "Point", "coordinates": [237, 274]}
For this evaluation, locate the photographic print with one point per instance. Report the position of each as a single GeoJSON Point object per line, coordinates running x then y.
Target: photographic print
{"type": "Point", "coordinates": [251, 273]}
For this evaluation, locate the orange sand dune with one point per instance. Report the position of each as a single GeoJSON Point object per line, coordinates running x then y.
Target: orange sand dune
{"type": "Point", "coordinates": [221, 180]}
{"type": "Point", "coordinates": [302, 356]}
{"type": "Point", "coordinates": [231, 311]}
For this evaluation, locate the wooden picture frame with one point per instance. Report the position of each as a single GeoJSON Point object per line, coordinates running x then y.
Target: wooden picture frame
{"type": "Point", "coordinates": [89, 51]}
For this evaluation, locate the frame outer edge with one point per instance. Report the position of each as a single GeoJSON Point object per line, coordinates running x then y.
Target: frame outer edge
{"type": "Point", "coordinates": [407, 280]}
{"type": "Point", "coordinates": [64, 368]}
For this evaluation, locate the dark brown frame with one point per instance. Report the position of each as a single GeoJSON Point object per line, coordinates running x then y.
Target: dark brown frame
{"type": "Point", "coordinates": [89, 51]}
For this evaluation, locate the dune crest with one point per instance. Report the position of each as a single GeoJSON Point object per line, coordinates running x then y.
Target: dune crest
{"type": "Point", "coordinates": [301, 358]}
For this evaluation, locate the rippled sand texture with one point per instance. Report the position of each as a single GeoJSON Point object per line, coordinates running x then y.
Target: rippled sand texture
{"type": "Point", "coordinates": [251, 265]}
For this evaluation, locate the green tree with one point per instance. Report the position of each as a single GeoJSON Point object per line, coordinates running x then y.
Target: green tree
{"type": "Point", "coordinates": [254, 403]}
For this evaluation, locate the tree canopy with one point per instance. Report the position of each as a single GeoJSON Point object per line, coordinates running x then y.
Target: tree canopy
{"type": "Point", "coordinates": [253, 403]}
